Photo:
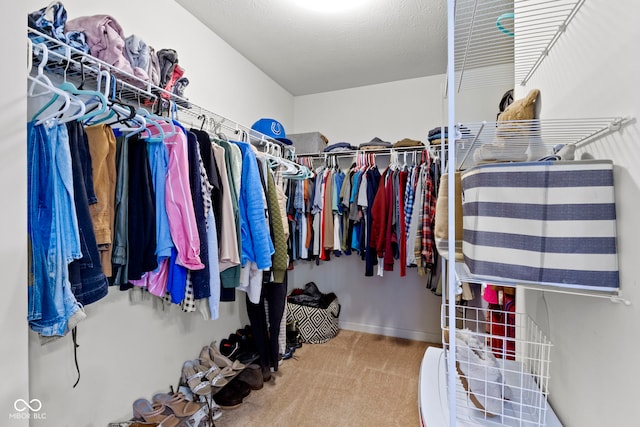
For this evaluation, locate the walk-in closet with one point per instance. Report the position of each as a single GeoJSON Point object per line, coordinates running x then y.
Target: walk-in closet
{"type": "Point", "coordinates": [281, 245]}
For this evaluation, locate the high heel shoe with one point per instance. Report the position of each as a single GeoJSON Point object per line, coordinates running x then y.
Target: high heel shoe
{"type": "Point", "coordinates": [193, 377]}
{"type": "Point", "coordinates": [179, 405]}
{"type": "Point", "coordinates": [209, 355]}
{"type": "Point", "coordinates": [143, 409]}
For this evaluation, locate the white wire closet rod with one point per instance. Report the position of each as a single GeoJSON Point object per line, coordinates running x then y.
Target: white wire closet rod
{"type": "Point", "coordinates": [353, 153]}
{"type": "Point", "coordinates": [78, 66]}
{"type": "Point", "coordinates": [214, 122]}
{"type": "Point", "coordinates": [538, 26]}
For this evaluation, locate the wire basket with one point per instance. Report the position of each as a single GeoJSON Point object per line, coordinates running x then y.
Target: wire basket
{"type": "Point", "coordinates": [502, 361]}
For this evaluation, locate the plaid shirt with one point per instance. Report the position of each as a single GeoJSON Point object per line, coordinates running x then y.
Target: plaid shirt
{"type": "Point", "coordinates": [409, 197]}
{"type": "Point", "coordinates": [428, 214]}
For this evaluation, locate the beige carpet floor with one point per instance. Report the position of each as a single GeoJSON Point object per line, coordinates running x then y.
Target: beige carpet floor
{"type": "Point", "coordinates": [356, 379]}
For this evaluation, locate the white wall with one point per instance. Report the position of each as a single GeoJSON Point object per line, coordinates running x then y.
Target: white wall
{"type": "Point", "coordinates": [391, 111]}
{"type": "Point", "coordinates": [13, 227]}
{"type": "Point", "coordinates": [390, 305]}
{"type": "Point", "coordinates": [126, 350]}
{"type": "Point", "coordinates": [592, 72]}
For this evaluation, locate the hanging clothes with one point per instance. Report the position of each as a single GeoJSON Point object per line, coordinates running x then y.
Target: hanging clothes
{"type": "Point", "coordinates": [402, 225]}
{"type": "Point", "coordinates": [229, 251]}
{"type": "Point", "coordinates": [156, 281]}
{"type": "Point", "coordinates": [159, 163]}
{"type": "Point", "coordinates": [374, 182]}
{"type": "Point", "coordinates": [389, 231]}
{"type": "Point", "coordinates": [102, 149]}
{"type": "Point", "coordinates": [213, 176]}
{"type": "Point", "coordinates": [280, 259]}
{"type": "Point", "coordinates": [120, 255]}
{"type": "Point", "coordinates": [88, 282]}
{"type": "Point", "coordinates": [379, 213]}
{"type": "Point", "coordinates": [379, 216]}
{"type": "Point", "coordinates": [256, 242]}
{"type": "Point", "coordinates": [212, 191]}
{"type": "Point", "coordinates": [180, 210]}
{"type": "Point", "coordinates": [416, 217]}
{"type": "Point", "coordinates": [424, 245]}
{"type": "Point", "coordinates": [200, 277]}
{"type": "Point", "coordinates": [53, 230]}
{"type": "Point", "coordinates": [141, 212]}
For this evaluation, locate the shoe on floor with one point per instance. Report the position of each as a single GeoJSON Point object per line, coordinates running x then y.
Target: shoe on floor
{"type": "Point", "coordinates": [252, 376]}
{"type": "Point", "coordinates": [242, 387]}
{"type": "Point", "coordinates": [228, 397]}
{"type": "Point", "coordinates": [266, 374]}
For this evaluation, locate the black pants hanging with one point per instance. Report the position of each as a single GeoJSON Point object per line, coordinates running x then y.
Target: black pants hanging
{"type": "Point", "coordinates": [267, 331]}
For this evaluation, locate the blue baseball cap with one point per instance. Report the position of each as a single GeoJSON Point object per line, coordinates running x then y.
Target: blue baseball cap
{"type": "Point", "coordinates": [273, 129]}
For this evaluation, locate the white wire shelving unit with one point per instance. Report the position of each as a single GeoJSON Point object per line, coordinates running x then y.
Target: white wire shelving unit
{"type": "Point", "coordinates": [483, 54]}
{"type": "Point", "coordinates": [503, 380]}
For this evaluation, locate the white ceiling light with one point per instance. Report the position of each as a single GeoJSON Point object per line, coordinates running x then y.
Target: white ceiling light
{"type": "Point", "coordinates": [329, 5]}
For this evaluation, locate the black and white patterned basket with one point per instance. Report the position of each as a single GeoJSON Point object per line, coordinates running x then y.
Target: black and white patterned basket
{"type": "Point", "coordinates": [316, 325]}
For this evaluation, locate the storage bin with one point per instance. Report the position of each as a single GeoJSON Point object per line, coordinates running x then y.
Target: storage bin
{"type": "Point", "coordinates": [318, 322]}
{"type": "Point", "coordinates": [550, 223]}
{"type": "Point", "coordinates": [310, 142]}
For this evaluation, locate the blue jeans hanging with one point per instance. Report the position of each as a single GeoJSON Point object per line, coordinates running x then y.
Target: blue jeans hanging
{"type": "Point", "coordinates": [52, 229]}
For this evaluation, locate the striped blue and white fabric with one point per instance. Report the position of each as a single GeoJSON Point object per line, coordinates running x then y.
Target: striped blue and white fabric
{"type": "Point", "coordinates": [551, 223]}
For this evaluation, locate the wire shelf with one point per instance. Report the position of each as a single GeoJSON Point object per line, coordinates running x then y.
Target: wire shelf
{"type": "Point", "coordinates": [613, 295]}
{"type": "Point", "coordinates": [526, 140]}
{"type": "Point", "coordinates": [538, 26]}
{"type": "Point", "coordinates": [503, 361]}
{"type": "Point", "coordinates": [519, 34]}
{"type": "Point", "coordinates": [480, 45]}
{"type": "Point", "coordinates": [81, 68]}
{"type": "Point", "coordinates": [85, 70]}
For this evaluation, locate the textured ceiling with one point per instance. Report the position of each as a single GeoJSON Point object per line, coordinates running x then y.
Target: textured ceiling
{"type": "Point", "coordinates": [307, 51]}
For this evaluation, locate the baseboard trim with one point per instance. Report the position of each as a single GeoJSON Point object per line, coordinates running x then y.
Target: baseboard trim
{"type": "Point", "coordinates": [430, 337]}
